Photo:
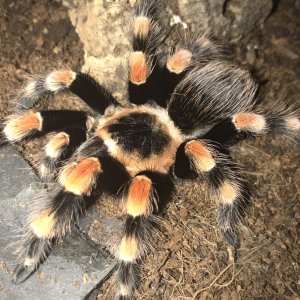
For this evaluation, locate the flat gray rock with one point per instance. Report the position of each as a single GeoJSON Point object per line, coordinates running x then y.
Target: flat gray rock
{"type": "Point", "coordinates": [15, 173]}
{"type": "Point", "coordinates": [75, 266]}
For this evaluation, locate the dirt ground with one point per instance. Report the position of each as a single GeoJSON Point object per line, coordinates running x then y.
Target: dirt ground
{"type": "Point", "coordinates": [189, 259]}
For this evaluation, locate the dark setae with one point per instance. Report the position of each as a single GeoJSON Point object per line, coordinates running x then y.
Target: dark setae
{"type": "Point", "coordinates": [180, 120]}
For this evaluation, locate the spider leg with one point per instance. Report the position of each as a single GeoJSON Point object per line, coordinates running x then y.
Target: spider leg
{"type": "Point", "coordinates": [144, 71]}
{"type": "Point", "coordinates": [199, 157]}
{"type": "Point", "coordinates": [30, 123]}
{"type": "Point", "coordinates": [52, 217]}
{"type": "Point", "coordinates": [146, 194]}
{"type": "Point", "coordinates": [189, 53]}
{"type": "Point", "coordinates": [244, 125]}
{"type": "Point", "coordinates": [72, 128]}
{"type": "Point", "coordinates": [80, 84]}
{"type": "Point", "coordinates": [59, 148]}
{"type": "Point", "coordinates": [52, 214]}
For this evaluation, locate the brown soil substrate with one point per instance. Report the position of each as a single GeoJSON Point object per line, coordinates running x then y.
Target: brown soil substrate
{"type": "Point", "coordinates": [189, 259]}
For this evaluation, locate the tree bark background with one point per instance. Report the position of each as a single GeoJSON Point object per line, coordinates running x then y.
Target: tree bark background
{"type": "Point", "coordinates": [227, 19]}
{"type": "Point", "coordinates": [104, 28]}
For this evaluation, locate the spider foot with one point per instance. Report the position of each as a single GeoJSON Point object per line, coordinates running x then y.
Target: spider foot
{"type": "Point", "coordinates": [33, 251]}
{"type": "Point", "coordinates": [22, 273]}
{"type": "Point", "coordinates": [232, 238]}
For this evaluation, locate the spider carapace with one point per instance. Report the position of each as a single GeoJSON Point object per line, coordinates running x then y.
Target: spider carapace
{"type": "Point", "coordinates": [141, 138]}
{"type": "Point", "coordinates": [182, 115]}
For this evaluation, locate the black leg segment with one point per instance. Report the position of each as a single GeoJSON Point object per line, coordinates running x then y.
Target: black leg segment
{"type": "Point", "coordinates": [93, 94]}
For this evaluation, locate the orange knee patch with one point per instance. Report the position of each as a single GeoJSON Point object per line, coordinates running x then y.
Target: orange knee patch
{"type": "Point", "coordinates": [18, 126]}
{"type": "Point", "coordinates": [138, 202]}
{"type": "Point", "coordinates": [55, 145]}
{"type": "Point", "coordinates": [64, 77]}
{"type": "Point", "coordinates": [249, 121]}
{"type": "Point", "coordinates": [141, 26]}
{"type": "Point", "coordinates": [138, 68]}
{"type": "Point", "coordinates": [43, 224]}
{"type": "Point", "coordinates": [128, 249]}
{"type": "Point", "coordinates": [179, 61]}
{"type": "Point", "coordinates": [200, 155]}
{"type": "Point", "coordinates": [80, 178]}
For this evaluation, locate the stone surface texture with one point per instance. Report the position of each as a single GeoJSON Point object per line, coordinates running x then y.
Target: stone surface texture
{"type": "Point", "coordinates": [227, 19]}
{"type": "Point", "coordinates": [103, 28]}
{"type": "Point", "coordinates": [74, 267]}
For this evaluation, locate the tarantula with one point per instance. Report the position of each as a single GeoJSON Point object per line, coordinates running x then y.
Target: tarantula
{"type": "Point", "coordinates": [181, 118]}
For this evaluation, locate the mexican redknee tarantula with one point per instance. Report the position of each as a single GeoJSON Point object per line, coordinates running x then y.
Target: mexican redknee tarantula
{"type": "Point", "coordinates": [182, 116]}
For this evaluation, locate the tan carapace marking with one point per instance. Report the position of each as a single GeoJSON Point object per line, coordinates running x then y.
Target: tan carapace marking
{"type": "Point", "coordinates": [249, 121]}
{"type": "Point", "coordinates": [132, 161]}
{"type": "Point", "coordinates": [160, 163]}
{"type": "Point", "coordinates": [138, 202]}
{"type": "Point", "coordinates": [18, 126]}
{"type": "Point", "coordinates": [141, 26]}
{"type": "Point", "coordinates": [200, 155]}
{"type": "Point", "coordinates": [55, 146]}
{"type": "Point", "coordinates": [228, 192]}
{"type": "Point", "coordinates": [179, 61]}
{"type": "Point", "coordinates": [128, 249]}
{"type": "Point", "coordinates": [43, 224]}
{"type": "Point", "coordinates": [79, 178]}
{"type": "Point", "coordinates": [292, 123]}
{"type": "Point", "coordinates": [65, 76]}
{"type": "Point", "coordinates": [138, 67]}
